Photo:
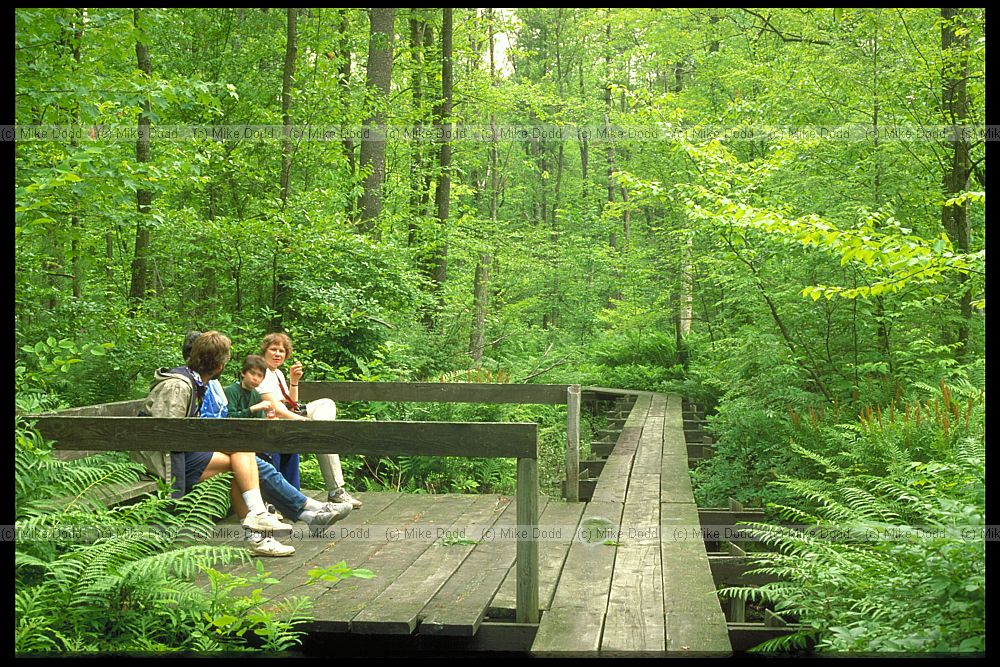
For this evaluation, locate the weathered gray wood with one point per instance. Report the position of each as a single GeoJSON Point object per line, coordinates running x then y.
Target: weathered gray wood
{"type": "Point", "coordinates": [395, 609]}
{"type": "Point", "coordinates": [576, 617]}
{"type": "Point", "coordinates": [350, 540]}
{"type": "Point", "coordinates": [691, 633]}
{"type": "Point", "coordinates": [737, 611]}
{"type": "Point", "coordinates": [634, 620]}
{"type": "Point", "coordinates": [732, 571]}
{"type": "Point", "coordinates": [337, 603]}
{"type": "Point", "coordinates": [570, 629]}
{"type": "Point", "coordinates": [119, 409]}
{"type": "Point", "coordinates": [557, 515]}
{"type": "Point", "coordinates": [573, 443]}
{"type": "Point", "coordinates": [675, 480]}
{"type": "Point", "coordinates": [592, 468]}
{"type": "Point", "coordinates": [434, 392]}
{"type": "Point", "coordinates": [459, 607]}
{"type": "Point", "coordinates": [527, 546]}
{"type": "Point", "coordinates": [693, 614]}
{"type": "Point", "coordinates": [287, 436]}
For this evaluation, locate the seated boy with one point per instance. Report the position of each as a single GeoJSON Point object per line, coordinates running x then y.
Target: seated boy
{"type": "Point", "coordinates": [243, 402]}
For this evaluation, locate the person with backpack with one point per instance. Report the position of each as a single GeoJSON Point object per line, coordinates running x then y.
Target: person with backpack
{"type": "Point", "coordinates": [180, 392]}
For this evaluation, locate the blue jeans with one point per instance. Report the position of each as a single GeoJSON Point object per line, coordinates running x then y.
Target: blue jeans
{"type": "Point", "coordinates": [276, 489]}
{"type": "Point", "coordinates": [288, 466]}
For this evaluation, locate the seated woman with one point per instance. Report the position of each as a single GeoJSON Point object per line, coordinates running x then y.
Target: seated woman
{"type": "Point", "coordinates": [276, 349]}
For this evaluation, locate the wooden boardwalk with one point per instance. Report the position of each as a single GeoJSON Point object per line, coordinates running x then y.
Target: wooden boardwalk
{"type": "Point", "coordinates": [613, 578]}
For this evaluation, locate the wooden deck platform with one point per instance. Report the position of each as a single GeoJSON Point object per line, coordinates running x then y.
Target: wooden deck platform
{"type": "Point", "coordinates": [613, 576]}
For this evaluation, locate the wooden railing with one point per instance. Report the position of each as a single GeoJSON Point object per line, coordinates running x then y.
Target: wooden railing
{"type": "Point", "coordinates": [111, 427]}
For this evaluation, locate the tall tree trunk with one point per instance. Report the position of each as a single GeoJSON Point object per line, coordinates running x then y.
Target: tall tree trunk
{"type": "Point", "coordinates": [481, 284]}
{"type": "Point", "coordinates": [143, 197]}
{"type": "Point", "coordinates": [417, 167]}
{"type": "Point", "coordinates": [74, 221]}
{"type": "Point", "coordinates": [291, 49]}
{"type": "Point", "coordinates": [584, 143]}
{"type": "Point", "coordinates": [344, 49]}
{"type": "Point", "coordinates": [279, 277]}
{"type": "Point", "coordinates": [379, 79]}
{"type": "Point", "coordinates": [955, 107]}
{"type": "Point", "coordinates": [442, 197]}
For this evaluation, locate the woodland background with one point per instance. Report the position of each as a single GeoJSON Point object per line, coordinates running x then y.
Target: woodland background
{"type": "Point", "coordinates": [823, 295]}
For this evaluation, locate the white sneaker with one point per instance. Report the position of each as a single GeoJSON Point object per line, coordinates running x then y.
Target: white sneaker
{"type": "Point", "coordinates": [267, 524]}
{"type": "Point", "coordinates": [268, 546]}
{"type": "Point", "coordinates": [342, 496]}
{"type": "Point", "coordinates": [330, 514]}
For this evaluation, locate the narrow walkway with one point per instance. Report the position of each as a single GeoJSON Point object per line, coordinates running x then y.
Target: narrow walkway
{"type": "Point", "coordinates": [612, 575]}
{"type": "Point", "coordinates": [650, 592]}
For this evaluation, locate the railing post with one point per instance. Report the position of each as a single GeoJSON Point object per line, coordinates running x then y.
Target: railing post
{"type": "Point", "coordinates": [573, 443]}
{"type": "Point", "coordinates": [527, 544]}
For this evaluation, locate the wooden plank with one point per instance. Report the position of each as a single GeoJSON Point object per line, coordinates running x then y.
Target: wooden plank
{"type": "Point", "coordinates": [634, 620]}
{"type": "Point", "coordinates": [346, 540]}
{"type": "Point", "coordinates": [692, 612]}
{"type": "Point", "coordinates": [396, 608]}
{"type": "Point", "coordinates": [690, 633]}
{"type": "Point", "coordinates": [515, 440]}
{"type": "Point", "coordinates": [567, 629]}
{"type": "Point", "coordinates": [675, 480]}
{"type": "Point", "coordinates": [337, 603]}
{"type": "Point", "coordinates": [120, 409]}
{"type": "Point", "coordinates": [551, 557]}
{"type": "Point", "coordinates": [527, 547]}
{"type": "Point", "coordinates": [732, 571]}
{"type": "Point", "coordinates": [573, 443]}
{"type": "Point", "coordinates": [435, 392]}
{"type": "Point", "coordinates": [576, 617]}
{"type": "Point", "coordinates": [614, 478]}
{"type": "Point", "coordinates": [459, 607]}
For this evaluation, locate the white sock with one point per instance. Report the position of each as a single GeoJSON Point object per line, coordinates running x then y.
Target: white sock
{"type": "Point", "coordinates": [255, 504]}
{"type": "Point", "coordinates": [312, 504]}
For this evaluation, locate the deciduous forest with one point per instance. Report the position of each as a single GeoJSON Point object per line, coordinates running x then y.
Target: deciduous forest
{"type": "Point", "coordinates": [778, 213]}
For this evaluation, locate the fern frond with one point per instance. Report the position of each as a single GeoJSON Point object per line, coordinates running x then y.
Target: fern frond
{"type": "Point", "coordinates": [184, 563]}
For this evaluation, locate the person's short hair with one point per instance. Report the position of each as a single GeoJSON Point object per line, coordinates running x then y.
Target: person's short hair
{"type": "Point", "coordinates": [253, 362]}
{"type": "Point", "coordinates": [277, 337]}
{"type": "Point", "coordinates": [209, 353]}
{"type": "Point", "coordinates": [189, 340]}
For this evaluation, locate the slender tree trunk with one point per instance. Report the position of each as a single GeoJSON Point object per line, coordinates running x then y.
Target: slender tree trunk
{"type": "Point", "coordinates": [279, 277]}
{"type": "Point", "coordinates": [143, 197]}
{"type": "Point", "coordinates": [955, 107]}
{"type": "Point", "coordinates": [74, 221]}
{"type": "Point", "coordinates": [378, 83]}
{"type": "Point", "coordinates": [481, 285]}
{"type": "Point", "coordinates": [584, 143]}
{"type": "Point", "coordinates": [417, 166]}
{"type": "Point", "coordinates": [288, 75]}
{"type": "Point", "coordinates": [442, 197]}
{"type": "Point", "coordinates": [344, 49]}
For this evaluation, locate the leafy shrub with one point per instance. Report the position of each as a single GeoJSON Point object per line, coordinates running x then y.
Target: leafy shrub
{"type": "Point", "coordinates": [918, 583]}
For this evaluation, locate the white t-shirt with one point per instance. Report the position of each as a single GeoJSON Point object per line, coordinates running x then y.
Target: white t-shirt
{"type": "Point", "coordinates": [270, 385]}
